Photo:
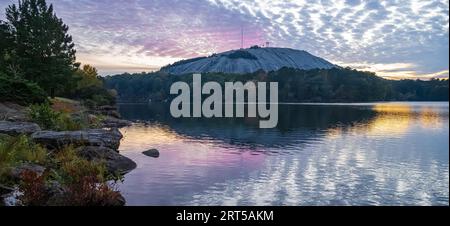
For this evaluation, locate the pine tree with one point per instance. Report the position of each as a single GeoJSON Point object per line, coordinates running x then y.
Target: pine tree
{"type": "Point", "coordinates": [42, 48]}
{"type": "Point", "coordinates": [5, 46]}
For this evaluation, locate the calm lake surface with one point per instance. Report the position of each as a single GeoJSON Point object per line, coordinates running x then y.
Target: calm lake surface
{"type": "Point", "coordinates": [320, 154]}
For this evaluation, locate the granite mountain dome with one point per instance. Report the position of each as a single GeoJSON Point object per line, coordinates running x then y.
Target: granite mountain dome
{"type": "Point", "coordinates": [249, 60]}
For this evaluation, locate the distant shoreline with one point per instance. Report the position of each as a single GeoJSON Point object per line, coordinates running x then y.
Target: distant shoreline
{"type": "Point", "coordinates": [311, 103]}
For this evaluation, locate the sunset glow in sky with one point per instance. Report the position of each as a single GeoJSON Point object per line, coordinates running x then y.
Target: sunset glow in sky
{"type": "Point", "coordinates": [398, 38]}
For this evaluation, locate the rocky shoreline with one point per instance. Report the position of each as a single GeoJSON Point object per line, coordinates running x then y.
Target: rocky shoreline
{"type": "Point", "coordinates": [97, 145]}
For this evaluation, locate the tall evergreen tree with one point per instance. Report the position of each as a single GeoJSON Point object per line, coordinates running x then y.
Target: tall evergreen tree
{"type": "Point", "coordinates": [5, 46]}
{"type": "Point", "coordinates": [43, 50]}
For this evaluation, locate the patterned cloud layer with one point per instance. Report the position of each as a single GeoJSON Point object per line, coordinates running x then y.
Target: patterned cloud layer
{"type": "Point", "coordinates": [398, 38]}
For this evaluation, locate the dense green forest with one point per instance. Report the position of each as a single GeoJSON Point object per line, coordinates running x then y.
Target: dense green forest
{"type": "Point", "coordinates": [319, 85]}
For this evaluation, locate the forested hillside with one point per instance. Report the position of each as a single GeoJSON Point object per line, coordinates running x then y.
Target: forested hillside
{"type": "Point", "coordinates": [318, 85]}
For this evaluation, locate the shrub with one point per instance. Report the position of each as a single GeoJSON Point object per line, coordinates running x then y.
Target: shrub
{"type": "Point", "coordinates": [20, 91]}
{"type": "Point", "coordinates": [21, 149]}
{"type": "Point", "coordinates": [85, 181]}
{"type": "Point", "coordinates": [44, 116]}
{"type": "Point", "coordinates": [33, 188]}
{"type": "Point", "coordinates": [66, 123]}
{"type": "Point", "coordinates": [90, 88]}
{"type": "Point", "coordinates": [16, 150]}
{"type": "Point", "coordinates": [89, 192]}
{"type": "Point", "coordinates": [49, 119]}
{"type": "Point", "coordinates": [81, 183]}
{"type": "Point", "coordinates": [73, 168]}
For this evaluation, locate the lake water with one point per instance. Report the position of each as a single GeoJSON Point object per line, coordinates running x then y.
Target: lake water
{"type": "Point", "coordinates": [320, 154]}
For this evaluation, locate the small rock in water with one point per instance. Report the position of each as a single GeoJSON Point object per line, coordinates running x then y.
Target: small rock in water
{"type": "Point", "coordinates": [151, 153]}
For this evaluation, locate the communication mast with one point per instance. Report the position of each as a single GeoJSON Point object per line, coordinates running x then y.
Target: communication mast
{"type": "Point", "coordinates": [242, 37]}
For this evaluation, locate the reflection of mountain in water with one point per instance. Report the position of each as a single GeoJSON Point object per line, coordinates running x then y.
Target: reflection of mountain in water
{"type": "Point", "coordinates": [298, 124]}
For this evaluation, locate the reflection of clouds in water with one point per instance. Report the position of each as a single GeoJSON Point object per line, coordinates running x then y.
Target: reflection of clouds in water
{"type": "Point", "coordinates": [348, 168]}
{"type": "Point", "coordinates": [321, 180]}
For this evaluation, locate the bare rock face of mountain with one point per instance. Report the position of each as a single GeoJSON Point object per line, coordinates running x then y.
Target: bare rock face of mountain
{"type": "Point", "coordinates": [249, 60]}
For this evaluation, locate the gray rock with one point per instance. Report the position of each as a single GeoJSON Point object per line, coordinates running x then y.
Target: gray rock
{"type": "Point", "coordinates": [5, 189]}
{"type": "Point", "coordinates": [13, 112]}
{"type": "Point", "coordinates": [114, 161]}
{"type": "Point", "coordinates": [56, 193]}
{"type": "Point", "coordinates": [17, 128]}
{"type": "Point", "coordinates": [10, 199]}
{"type": "Point", "coordinates": [93, 137]}
{"type": "Point", "coordinates": [120, 201]}
{"type": "Point", "coordinates": [151, 153]}
{"type": "Point", "coordinates": [111, 122]}
{"type": "Point", "coordinates": [16, 172]}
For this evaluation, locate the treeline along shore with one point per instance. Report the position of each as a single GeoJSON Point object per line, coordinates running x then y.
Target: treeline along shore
{"type": "Point", "coordinates": [295, 85]}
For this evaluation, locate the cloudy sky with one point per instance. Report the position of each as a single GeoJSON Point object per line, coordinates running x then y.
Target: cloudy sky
{"type": "Point", "coordinates": [395, 38]}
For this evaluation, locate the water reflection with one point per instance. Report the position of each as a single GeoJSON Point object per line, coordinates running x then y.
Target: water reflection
{"type": "Point", "coordinates": [361, 154]}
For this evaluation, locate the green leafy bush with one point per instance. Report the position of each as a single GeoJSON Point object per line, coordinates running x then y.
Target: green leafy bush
{"type": "Point", "coordinates": [16, 150]}
{"type": "Point", "coordinates": [66, 123]}
{"type": "Point", "coordinates": [44, 116]}
{"type": "Point", "coordinates": [20, 91]}
{"type": "Point", "coordinates": [48, 119]}
{"type": "Point", "coordinates": [90, 89]}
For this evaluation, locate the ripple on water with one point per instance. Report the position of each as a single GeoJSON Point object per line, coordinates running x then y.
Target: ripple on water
{"type": "Point", "coordinates": [366, 154]}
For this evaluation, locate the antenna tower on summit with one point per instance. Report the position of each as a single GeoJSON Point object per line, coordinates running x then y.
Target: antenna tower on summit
{"type": "Point", "coordinates": [242, 37]}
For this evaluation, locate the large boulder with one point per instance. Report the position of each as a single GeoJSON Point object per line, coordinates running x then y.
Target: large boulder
{"type": "Point", "coordinates": [115, 162]}
{"type": "Point", "coordinates": [93, 137]}
{"type": "Point", "coordinates": [13, 112]}
{"type": "Point", "coordinates": [111, 122]}
{"type": "Point", "coordinates": [17, 128]}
